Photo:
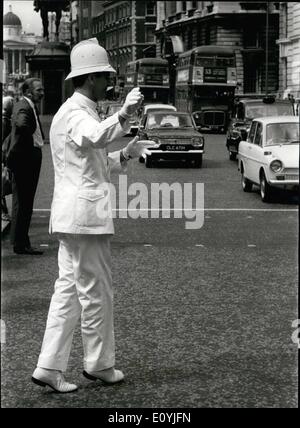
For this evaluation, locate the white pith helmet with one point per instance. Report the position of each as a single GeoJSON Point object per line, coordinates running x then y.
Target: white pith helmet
{"type": "Point", "coordinates": [89, 57]}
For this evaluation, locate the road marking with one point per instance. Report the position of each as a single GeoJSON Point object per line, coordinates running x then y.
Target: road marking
{"type": "Point", "coordinates": [147, 245]}
{"type": "Point", "coordinates": [199, 245]}
{"type": "Point", "coordinates": [251, 245]}
{"type": "Point", "coordinates": [44, 245]}
{"type": "Point", "coordinates": [191, 209]}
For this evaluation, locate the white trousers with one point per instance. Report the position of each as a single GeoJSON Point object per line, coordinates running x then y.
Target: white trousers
{"type": "Point", "coordinates": [84, 288]}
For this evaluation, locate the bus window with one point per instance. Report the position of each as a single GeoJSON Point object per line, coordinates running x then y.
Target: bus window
{"type": "Point", "coordinates": [205, 61]}
{"type": "Point", "coordinates": [225, 62]}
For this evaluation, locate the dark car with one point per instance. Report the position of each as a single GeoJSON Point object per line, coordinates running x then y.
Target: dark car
{"type": "Point", "coordinates": [176, 137]}
{"type": "Point", "coordinates": [246, 111]}
{"type": "Point", "coordinates": [212, 118]}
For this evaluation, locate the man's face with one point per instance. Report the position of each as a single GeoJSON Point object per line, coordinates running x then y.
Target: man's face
{"type": "Point", "coordinates": [37, 91]}
{"type": "Point", "coordinates": [101, 82]}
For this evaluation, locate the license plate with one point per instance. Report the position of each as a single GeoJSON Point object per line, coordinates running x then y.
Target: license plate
{"type": "Point", "coordinates": [175, 147]}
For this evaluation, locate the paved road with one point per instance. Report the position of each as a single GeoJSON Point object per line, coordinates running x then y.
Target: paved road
{"type": "Point", "coordinates": [202, 317]}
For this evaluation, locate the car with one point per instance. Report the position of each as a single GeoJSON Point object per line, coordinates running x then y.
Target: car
{"type": "Point", "coordinates": [246, 111]}
{"type": "Point", "coordinates": [108, 108]}
{"type": "Point", "coordinates": [212, 118]}
{"type": "Point", "coordinates": [175, 135]}
{"type": "Point", "coordinates": [151, 107]}
{"type": "Point", "coordinates": [269, 157]}
{"type": "Point", "coordinates": [147, 108]}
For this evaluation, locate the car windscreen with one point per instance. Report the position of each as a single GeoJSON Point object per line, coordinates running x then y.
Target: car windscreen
{"type": "Point", "coordinates": [282, 133]}
{"type": "Point", "coordinates": [168, 121]}
{"type": "Point", "coordinates": [150, 110]}
{"type": "Point", "coordinates": [114, 109]}
{"type": "Point", "coordinates": [263, 110]}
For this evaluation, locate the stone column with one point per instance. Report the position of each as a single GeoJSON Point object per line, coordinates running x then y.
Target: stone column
{"type": "Point", "coordinates": [178, 6]}
{"type": "Point", "coordinates": [20, 61]}
{"type": "Point", "coordinates": [27, 67]}
{"type": "Point", "coordinates": [13, 62]}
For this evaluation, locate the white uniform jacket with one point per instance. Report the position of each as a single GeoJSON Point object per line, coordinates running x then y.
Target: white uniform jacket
{"type": "Point", "coordinates": [81, 202]}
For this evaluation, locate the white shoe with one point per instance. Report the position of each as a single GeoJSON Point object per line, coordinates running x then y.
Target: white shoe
{"type": "Point", "coordinates": [108, 376]}
{"type": "Point", "coordinates": [53, 378]}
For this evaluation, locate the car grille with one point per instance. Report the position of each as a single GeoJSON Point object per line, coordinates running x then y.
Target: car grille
{"type": "Point", "coordinates": [175, 141]}
{"type": "Point", "coordinates": [292, 176]}
{"type": "Point", "coordinates": [214, 118]}
{"type": "Point", "coordinates": [291, 171]}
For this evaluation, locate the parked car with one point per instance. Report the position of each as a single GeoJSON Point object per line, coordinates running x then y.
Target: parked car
{"type": "Point", "coordinates": [176, 137]}
{"type": "Point", "coordinates": [246, 111]}
{"type": "Point", "coordinates": [270, 155]}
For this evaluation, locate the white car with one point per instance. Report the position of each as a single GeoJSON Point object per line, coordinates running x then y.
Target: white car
{"type": "Point", "coordinates": [270, 155]}
{"type": "Point", "coordinates": [150, 107]}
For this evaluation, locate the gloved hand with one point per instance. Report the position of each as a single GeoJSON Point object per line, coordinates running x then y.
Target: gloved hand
{"type": "Point", "coordinates": [132, 103]}
{"type": "Point", "coordinates": [136, 148]}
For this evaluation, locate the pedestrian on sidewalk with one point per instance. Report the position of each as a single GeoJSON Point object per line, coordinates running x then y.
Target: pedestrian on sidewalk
{"type": "Point", "coordinates": [81, 218]}
{"type": "Point", "coordinates": [24, 159]}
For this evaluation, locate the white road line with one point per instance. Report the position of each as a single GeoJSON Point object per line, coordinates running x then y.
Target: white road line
{"type": "Point", "coordinates": [191, 209]}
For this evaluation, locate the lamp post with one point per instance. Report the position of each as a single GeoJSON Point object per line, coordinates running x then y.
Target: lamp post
{"type": "Point", "coordinates": [267, 48]}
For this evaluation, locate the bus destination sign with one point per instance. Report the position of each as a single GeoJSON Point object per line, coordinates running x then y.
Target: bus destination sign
{"type": "Point", "coordinates": [215, 75]}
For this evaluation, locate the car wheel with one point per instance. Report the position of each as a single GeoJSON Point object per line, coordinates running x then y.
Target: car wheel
{"type": "Point", "coordinates": [246, 184]}
{"type": "Point", "coordinates": [141, 159]}
{"type": "Point", "coordinates": [198, 162]}
{"type": "Point", "coordinates": [266, 191]}
{"type": "Point", "coordinates": [232, 156]}
{"type": "Point", "coordinates": [148, 162]}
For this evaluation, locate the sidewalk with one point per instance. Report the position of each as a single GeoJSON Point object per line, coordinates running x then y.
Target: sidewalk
{"type": "Point", "coordinates": [46, 123]}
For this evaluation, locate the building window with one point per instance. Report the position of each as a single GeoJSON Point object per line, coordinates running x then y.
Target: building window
{"type": "Point", "coordinates": [150, 8]}
{"type": "Point", "coordinates": [183, 6]}
{"type": "Point", "coordinates": [251, 39]}
{"type": "Point", "coordinates": [207, 35]}
{"type": "Point", "coordinates": [190, 39]}
{"type": "Point", "coordinates": [128, 35]}
{"type": "Point", "coordinates": [149, 34]}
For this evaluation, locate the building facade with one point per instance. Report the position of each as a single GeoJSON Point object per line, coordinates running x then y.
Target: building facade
{"type": "Point", "coordinates": [289, 49]}
{"type": "Point", "coordinates": [16, 46]}
{"type": "Point", "coordinates": [238, 25]}
{"type": "Point", "coordinates": [125, 28]}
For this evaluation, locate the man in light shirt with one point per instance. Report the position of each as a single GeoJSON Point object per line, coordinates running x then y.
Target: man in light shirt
{"type": "Point", "coordinates": [82, 219]}
{"type": "Point", "coordinates": [24, 160]}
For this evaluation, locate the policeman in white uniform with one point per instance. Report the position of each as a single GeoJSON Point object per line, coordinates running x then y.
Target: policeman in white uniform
{"type": "Point", "coordinates": [82, 219]}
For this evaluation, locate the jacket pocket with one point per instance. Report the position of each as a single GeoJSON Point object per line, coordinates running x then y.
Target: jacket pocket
{"type": "Point", "coordinates": [92, 208]}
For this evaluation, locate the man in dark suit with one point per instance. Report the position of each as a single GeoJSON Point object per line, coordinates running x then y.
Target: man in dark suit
{"type": "Point", "coordinates": [24, 160]}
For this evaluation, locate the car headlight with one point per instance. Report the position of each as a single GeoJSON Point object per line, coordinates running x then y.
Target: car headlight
{"type": "Point", "coordinates": [198, 141]}
{"type": "Point", "coordinates": [276, 165]}
{"type": "Point", "coordinates": [235, 135]}
{"type": "Point", "coordinates": [155, 139]}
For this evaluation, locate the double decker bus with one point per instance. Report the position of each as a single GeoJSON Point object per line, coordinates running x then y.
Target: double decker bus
{"type": "Point", "coordinates": [205, 85]}
{"type": "Point", "coordinates": [152, 76]}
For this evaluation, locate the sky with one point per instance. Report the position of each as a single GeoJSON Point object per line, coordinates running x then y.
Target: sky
{"type": "Point", "coordinates": [31, 20]}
